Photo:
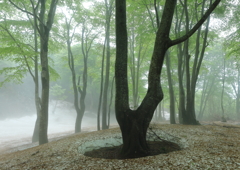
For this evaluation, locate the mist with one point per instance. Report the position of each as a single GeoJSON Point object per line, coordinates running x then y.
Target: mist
{"type": "Point", "coordinates": [18, 116]}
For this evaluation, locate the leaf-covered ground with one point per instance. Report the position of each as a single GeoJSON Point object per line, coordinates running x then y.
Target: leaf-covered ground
{"type": "Point", "coordinates": [213, 146]}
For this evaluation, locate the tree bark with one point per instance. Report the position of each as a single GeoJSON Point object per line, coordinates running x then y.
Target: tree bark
{"type": "Point", "coordinates": [44, 30]}
{"type": "Point", "coordinates": [134, 123]}
{"type": "Point", "coordinates": [222, 94]}
{"type": "Point", "coordinates": [171, 91]}
{"type": "Point", "coordinates": [101, 88]}
{"type": "Point", "coordinates": [238, 95]}
{"type": "Point", "coordinates": [107, 70]}
{"type": "Point", "coordinates": [71, 64]}
{"type": "Point", "coordinates": [181, 108]}
{"type": "Point", "coordinates": [189, 116]}
{"type": "Point", "coordinates": [35, 137]}
{"type": "Point", "coordinates": [83, 90]}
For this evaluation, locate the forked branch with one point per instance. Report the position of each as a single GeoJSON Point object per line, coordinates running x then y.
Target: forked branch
{"type": "Point", "coordinates": [199, 23]}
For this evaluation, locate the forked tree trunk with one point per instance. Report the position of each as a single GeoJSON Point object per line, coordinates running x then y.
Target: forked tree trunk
{"type": "Point", "coordinates": [134, 135]}
{"type": "Point", "coordinates": [134, 123]}
{"type": "Point", "coordinates": [71, 64]}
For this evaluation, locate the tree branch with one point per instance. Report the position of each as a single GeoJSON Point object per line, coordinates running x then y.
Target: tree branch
{"type": "Point", "coordinates": [16, 6]}
{"type": "Point", "coordinates": [156, 11]}
{"type": "Point", "coordinates": [151, 18]}
{"type": "Point", "coordinates": [18, 45]}
{"type": "Point", "coordinates": [51, 13]}
{"type": "Point", "coordinates": [195, 28]}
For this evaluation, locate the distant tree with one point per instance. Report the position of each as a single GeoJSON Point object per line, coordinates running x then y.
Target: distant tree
{"type": "Point", "coordinates": [232, 44]}
{"type": "Point", "coordinates": [36, 13]}
{"type": "Point", "coordinates": [104, 86]}
{"type": "Point", "coordinates": [134, 123]}
{"type": "Point", "coordinates": [80, 18]}
{"type": "Point", "coordinates": [190, 56]}
{"type": "Point", "coordinates": [171, 90]}
{"type": "Point", "coordinates": [223, 87]}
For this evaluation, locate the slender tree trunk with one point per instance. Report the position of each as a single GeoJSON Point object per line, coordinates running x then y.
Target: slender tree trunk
{"type": "Point", "coordinates": [71, 65]}
{"type": "Point", "coordinates": [223, 86]}
{"type": "Point", "coordinates": [203, 98]}
{"type": "Point", "coordinates": [83, 90]}
{"type": "Point", "coordinates": [83, 93]}
{"type": "Point", "coordinates": [35, 137]}
{"type": "Point", "coordinates": [171, 91]}
{"type": "Point", "coordinates": [181, 108]}
{"type": "Point", "coordinates": [110, 104]}
{"type": "Point", "coordinates": [238, 94]}
{"type": "Point", "coordinates": [181, 105]}
{"type": "Point", "coordinates": [44, 29]}
{"type": "Point", "coordinates": [101, 88]}
{"type": "Point", "coordinates": [190, 116]}
{"type": "Point", "coordinates": [76, 101]}
{"type": "Point", "coordinates": [43, 118]}
{"type": "Point", "coordinates": [108, 15]}
{"type": "Point", "coordinates": [45, 91]}
{"type": "Point", "coordinates": [106, 83]}
{"type": "Point", "coordinates": [198, 60]}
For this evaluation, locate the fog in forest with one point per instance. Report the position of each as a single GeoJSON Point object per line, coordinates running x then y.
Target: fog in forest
{"type": "Point", "coordinates": [177, 78]}
{"type": "Point", "coordinates": [18, 114]}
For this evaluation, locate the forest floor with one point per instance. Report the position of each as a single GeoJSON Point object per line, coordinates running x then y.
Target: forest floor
{"type": "Point", "coordinates": [213, 145]}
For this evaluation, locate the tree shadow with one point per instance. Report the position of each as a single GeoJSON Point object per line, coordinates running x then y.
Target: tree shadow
{"type": "Point", "coordinates": [155, 148]}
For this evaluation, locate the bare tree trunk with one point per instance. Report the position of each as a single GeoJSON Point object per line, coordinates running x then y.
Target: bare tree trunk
{"type": "Point", "coordinates": [101, 88]}
{"type": "Point", "coordinates": [44, 34]}
{"type": "Point", "coordinates": [238, 95]}
{"type": "Point", "coordinates": [71, 64]}
{"type": "Point", "coordinates": [110, 104]}
{"type": "Point", "coordinates": [189, 116]}
{"type": "Point", "coordinates": [171, 91]}
{"type": "Point", "coordinates": [223, 86]}
{"type": "Point", "coordinates": [181, 108]}
{"type": "Point", "coordinates": [35, 137]}
{"type": "Point", "coordinates": [106, 83]}
{"type": "Point", "coordinates": [82, 90]}
{"type": "Point", "coordinates": [134, 123]}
